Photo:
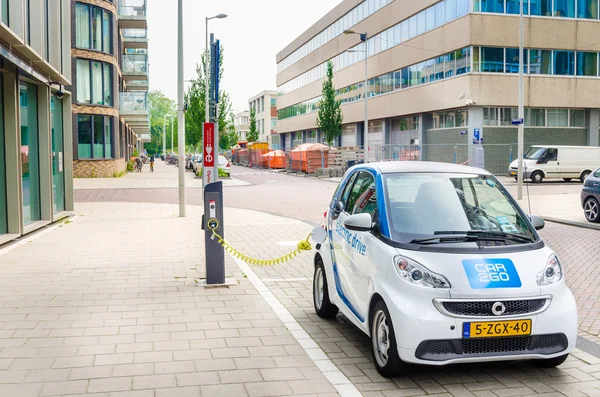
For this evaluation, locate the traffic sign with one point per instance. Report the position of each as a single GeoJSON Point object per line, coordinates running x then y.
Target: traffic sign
{"type": "Point", "coordinates": [517, 121]}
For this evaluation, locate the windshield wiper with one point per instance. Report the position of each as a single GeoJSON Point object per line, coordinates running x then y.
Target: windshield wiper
{"type": "Point", "coordinates": [446, 238]}
{"type": "Point", "coordinates": [490, 234]}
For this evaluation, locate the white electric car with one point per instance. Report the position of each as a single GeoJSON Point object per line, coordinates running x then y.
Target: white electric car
{"type": "Point", "coordinates": [438, 264]}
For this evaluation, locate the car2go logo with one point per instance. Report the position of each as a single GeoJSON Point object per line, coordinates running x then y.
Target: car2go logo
{"type": "Point", "coordinates": [491, 273]}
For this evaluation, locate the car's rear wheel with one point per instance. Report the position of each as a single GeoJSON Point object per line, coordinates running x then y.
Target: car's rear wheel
{"type": "Point", "coordinates": [551, 362]}
{"type": "Point", "coordinates": [537, 177]}
{"type": "Point", "coordinates": [584, 176]}
{"type": "Point", "coordinates": [591, 210]}
{"type": "Point", "coordinates": [383, 341]}
{"type": "Point", "coordinates": [323, 306]}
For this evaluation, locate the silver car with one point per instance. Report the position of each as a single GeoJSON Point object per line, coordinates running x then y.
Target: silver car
{"type": "Point", "coordinates": [590, 197]}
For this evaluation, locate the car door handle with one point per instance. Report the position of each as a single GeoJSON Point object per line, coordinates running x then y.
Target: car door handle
{"type": "Point", "coordinates": [596, 184]}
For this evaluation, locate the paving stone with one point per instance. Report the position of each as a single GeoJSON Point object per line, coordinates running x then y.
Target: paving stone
{"type": "Point", "coordinates": [109, 384]}
{"type": "Point", "coordinates": [62, 388]}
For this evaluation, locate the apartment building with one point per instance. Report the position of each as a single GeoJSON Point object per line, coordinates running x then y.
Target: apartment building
{"type": "Point", "coordinates": [35, 115]}
{"type": "Point", "coordinates": [242, 124]}
{"type": "Point", "coordinates": [110, 84]}
{"type": "Point", "coordinates": [442, 72]}
{"type": "Point", "coordinates": [265, 105]}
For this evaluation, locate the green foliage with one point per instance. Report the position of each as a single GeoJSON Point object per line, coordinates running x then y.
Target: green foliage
{"type": "Point", "coordinates": [232, 133]}
{"type": "Point", "coordinates": [130, 165]}
{"type": "Point", "coordinates": [94, 174]}
{"type": "Point", "coordinates": [222, 173]}
{"type": "Point", "coordinates": [161, 109]}
{"type": "Point", "coordinates": [118, 174]}
{"type": "Point", "coordinates": [195, 97]}
{"type": "Point", "coordinates": [252, 135]}
{"type": "Point", "coordinates": [329, 118]}
{"type": "Point", "coordinates": [135, 153]}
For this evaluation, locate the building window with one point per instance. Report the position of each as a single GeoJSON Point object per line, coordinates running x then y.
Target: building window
{"type": "Point", "coordinates": [587, 63]}
{"type": "Point", "coordinates": [507, 115]}
{"type": "Point", "coordinates": [450, 119]}
{"type": "Point", "coordinates": [564, 8]}
{"type": "Point", "coordinates": [535, 117]}
{"type": "Point", "coordinates": [58, 176]}
{"type": "Point", "coordinates": [30, 162]}
{"type": "Point", "coordinates": [273, 102]}
{"type": "Point", "coordinates": [540, 61]}
{"type": "Point", "coordinates": [94, 82]}
{"type": "Point", "coordinates": [541, 7]}
{"type": "Point", "coordinates": [4, 11]}
{"type": "Point", "coordinates": [587, 9]}
{"type": "Point", "coordinates": [576, 118]}
{"type": "Point", "coordinates": [94, 136]}
{"type": "Point", "coordinates": [490, 116]}
{"type": "Point", "coordinates": [558, 117]}
{"type": "Point", "coordinates": [93, 28]}
{"type": "Point", "coordinates": [3, 203]}
{"type": "Point", "coordinates": [492, 59]}
{"type": "Point", "coordinates": [564, 63]}
{"type": "Point", "coordinates": [273, 123]}
{"type": "Point", "coordinates": [491, 6]}
{"type": "Point", "coordinates": [512, 60]}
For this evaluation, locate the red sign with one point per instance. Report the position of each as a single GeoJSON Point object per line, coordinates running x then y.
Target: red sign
{"type": "Point", "coordinates": [209, 151]}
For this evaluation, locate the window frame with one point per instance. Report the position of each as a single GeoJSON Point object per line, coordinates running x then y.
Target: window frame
{"type": "Point", "coordinates": [106, 121]}
{"type": "Point", "coordinates": [91, 77]}
{"type": "Point", "coordinates": [103, 11]}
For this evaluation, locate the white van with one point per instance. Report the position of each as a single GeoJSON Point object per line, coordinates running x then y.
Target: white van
{"type": "Point", "coordinates": [566, 162]}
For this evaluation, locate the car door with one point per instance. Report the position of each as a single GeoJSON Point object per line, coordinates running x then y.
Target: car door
{"type": "Point", "coordinates": [551, 163]}
{"type": "Point", "coordinates": [365, 245]}
{"type": "Point", "coordinates": [344, 243]}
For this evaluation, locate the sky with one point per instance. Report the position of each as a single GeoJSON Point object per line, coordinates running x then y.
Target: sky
{"type": "Point", "coordinates": [252, 34]}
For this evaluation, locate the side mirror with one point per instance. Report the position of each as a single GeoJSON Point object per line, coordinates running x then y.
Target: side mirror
{"type": "Point", "coordinates": [359, 223]}
{"type": "Point", "coordinates": [537, 222]}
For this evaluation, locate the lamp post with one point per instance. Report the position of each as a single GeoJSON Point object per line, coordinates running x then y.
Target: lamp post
{"type": "Point", "coordinates": [180, 110]}
{"type": "Point", "coordinates": [363, 38]}
{"type": "Point", "coordinates": [164, 151]}
{"type": "Point", "coordinates": [521, 131]}
{"type": "Point", "coordinates": [207, 67]}
{"type": "Point", "coordinates": [172, 148]}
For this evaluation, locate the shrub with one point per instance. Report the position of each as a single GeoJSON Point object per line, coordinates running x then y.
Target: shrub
{"type": "Point", "coordinates": [222, 173]}
{"type": "Point", "coordinates": [129, 165]}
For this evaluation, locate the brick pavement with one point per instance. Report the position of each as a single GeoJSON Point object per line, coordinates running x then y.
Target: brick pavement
{"type": "Point", "coordinates": [108, 306]}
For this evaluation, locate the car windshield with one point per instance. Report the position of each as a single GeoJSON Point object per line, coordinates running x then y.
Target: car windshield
{"type": "Point", "coordinates": [428, 205]}
{"type": "Point", "coordinates": [534, 153]}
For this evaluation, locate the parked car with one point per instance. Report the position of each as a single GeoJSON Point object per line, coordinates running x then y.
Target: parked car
{"type": "Point", "coordinates": [566, 162]}
{"type": "Point", "coordinates": [438, 264]}
{"type": "Point", "coordinates": [590, 197]}
{"type": "Point", "coordinates": [197, 163]}
{"type": "Point", "coordinates": [224, 165]}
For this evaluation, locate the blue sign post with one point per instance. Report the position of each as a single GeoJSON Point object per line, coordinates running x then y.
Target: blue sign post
{"type": "Point", "coordinates": [518, 121]}
{"type": "Point", "coordinates": [477, 138]}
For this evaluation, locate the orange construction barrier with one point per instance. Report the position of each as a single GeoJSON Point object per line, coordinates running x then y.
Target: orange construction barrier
{"type": "Point", "coordinates": [255, 152]}
{"type": "Point", "coordinates": [307, 157]}
{"type": "Point", "coordinates": [275, 159]}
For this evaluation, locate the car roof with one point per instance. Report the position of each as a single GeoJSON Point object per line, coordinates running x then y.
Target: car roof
{"type": "Point", "coordinates": [390, 167]}
{"type": "Point", "coordinates": [565, 147]}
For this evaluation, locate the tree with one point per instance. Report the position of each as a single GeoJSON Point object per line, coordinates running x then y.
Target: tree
{"type": "Point", "coordinates": [252, 132]}
{"type": "Point", "coordinates": [231, 132]}
{"type": "Point", "coordinates": [160, 107]}
{"type": "Point", "coordinates": [329, 118]}
{"type": "Point", "coordinates": [195, 97]}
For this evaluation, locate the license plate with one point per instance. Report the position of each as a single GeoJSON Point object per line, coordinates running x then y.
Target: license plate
{"type": "Point", "coordinates": [494, 329]}
{"type": "Point", "coordinates": [513, 173]}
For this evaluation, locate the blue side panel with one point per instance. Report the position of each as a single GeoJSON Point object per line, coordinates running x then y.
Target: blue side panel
{"type": "Point", "coordinates": [338, 285]}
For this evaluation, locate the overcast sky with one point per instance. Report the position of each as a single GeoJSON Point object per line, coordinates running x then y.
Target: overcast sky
{"type": "Point", "coordinates": [254, 32]}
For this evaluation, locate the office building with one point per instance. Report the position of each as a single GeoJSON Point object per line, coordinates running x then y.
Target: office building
{"type": "Point", "coordinates": [35, 115]}
{"type": "Point", "coordinates": [110, 85]}
{"type": "Point", "coordinates": [265, 105]}
{"type": "Point", "coordinates": [242, 123]}
{"type": "Point", "coordinates": [442, 72]}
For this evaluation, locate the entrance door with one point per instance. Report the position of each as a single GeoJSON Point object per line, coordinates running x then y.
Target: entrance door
{"type": "Point", "coordinates": [58, 176]}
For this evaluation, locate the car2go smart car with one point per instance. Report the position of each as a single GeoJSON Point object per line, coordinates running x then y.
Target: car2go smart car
{"type": "Point", "coordinates": [438, 265]}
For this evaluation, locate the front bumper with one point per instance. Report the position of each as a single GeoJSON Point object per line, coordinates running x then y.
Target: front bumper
{"type": "Point", "coordinates": [426, 336]}
{"type": "Point", "coordinates": [514, 172]}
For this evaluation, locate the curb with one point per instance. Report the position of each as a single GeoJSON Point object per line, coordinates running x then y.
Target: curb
{"type": "Point", "coordinates": [572, 223]}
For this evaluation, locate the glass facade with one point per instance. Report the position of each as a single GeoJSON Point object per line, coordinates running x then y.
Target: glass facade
{"type": "Point", "coordinates": [58, 176]}
{"type": "Point", "coordinates": [93, 28]}
{"type": "Point", "coordinates": [4, 11]}
{"type": "Point", "coordinates": [3, 206]}
{"type": "Point", "coordinates": [450, 119]}
{"type": "Point", "coordinates": [586, 9]}
{"type": "Point", "coordinates": [94, 136]}
{"type": "Point", "coordinates": [553, 62]}
{"type": "Point", "coordinates": [452, 64]}
{"type": "Point", "coordinates": [30, 163]}
{"type": "Point", "coordinates": [426, 20]}
{"type": "Point", "coordinates": [94, 82]}
{"type": "Point", "coordinates": [535, 117]}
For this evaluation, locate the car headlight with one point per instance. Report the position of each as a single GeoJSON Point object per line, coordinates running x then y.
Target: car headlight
{"type": "Point", "coordinates": [417, 274]}
{"type": "Point", "coordinates": [552, 273]}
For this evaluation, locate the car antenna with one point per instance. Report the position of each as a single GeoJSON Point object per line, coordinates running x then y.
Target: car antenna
{"type": "Point", "coordinates": [527, 184]}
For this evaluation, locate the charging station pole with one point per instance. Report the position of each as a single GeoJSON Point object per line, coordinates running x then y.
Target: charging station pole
{"type": "Point", "coordinates": [212, 220]}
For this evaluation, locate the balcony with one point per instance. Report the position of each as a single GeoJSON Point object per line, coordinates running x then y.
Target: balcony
{"type": "Point", "coordinates": [137, 85]}
{"type": "Point", "coordinates": [135, 38]}
{"type": "Point", "coordinates": [132, 14]}
{"type": "Point", "coordinates": [134, 104]}
{"type": "Point", "coordinates": [135, 67]}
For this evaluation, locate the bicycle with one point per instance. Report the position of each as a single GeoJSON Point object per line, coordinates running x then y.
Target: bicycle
{"type": "Point", "coordinates": [152, 166]}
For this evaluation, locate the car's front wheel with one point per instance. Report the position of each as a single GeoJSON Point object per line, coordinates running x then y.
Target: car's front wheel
{"type": "Point", "coordinates": [551, 362]}
{"type": "Point", "coordinates": [591, 210]}
{"type": "Point", "coordinates": [323, 306]}
{"type": "Point", "coordinates": [383, 341]}
{"type": "Point", "coordinates": [537, 177]}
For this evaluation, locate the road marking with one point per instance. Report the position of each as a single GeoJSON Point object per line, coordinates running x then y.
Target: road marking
{"type": "Point", "coordinates": [337, 379]}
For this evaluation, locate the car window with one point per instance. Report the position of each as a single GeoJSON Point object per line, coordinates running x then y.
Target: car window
{"type": "Point", "coordinates": [347, 190]}
{"type": "Point", "coordinates": [362, 184]}
{"type": "Point", "coordinates": [597, 173]}
{"type": "Point", "coordinates": [222, 160]}
{"type": "Point", "coordinates": [551, 155]}
{"type": "Point", "coordinates": [367, 202]}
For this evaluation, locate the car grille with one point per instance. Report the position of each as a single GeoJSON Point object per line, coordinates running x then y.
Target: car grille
{"type": "Point", "coordinates": [484, 308]}
{"type": "Point", "coordinates": [441, 350]}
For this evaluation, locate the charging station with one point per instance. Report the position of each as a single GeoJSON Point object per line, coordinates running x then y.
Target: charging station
{"type": "Point", "coordinates": [213, 220]}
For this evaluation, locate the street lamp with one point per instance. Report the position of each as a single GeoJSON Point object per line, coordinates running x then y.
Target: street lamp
{"type": "Point", "coordinates": [521, 132]}
{"type": "Point", "coordinates": [207, 66]}
{"type": "Point", "coordinates": [363, 38]}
